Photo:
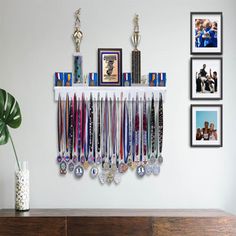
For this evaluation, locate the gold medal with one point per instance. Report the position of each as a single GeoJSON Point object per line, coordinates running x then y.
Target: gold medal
{"type": "Point", "coordinates": [86, 165]}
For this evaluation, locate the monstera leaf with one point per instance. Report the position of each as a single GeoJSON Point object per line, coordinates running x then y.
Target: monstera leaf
{"type": "Point", "coordinates": [10, 115]}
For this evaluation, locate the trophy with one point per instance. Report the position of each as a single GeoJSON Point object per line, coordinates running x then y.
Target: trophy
{"type": "Point", "coordinates": [136, 54]}
{"type": "Point", "coordinates": [77, 37]}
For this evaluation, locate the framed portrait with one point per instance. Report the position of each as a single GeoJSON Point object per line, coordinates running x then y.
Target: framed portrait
{"type": "Point", "coordinates": [109, 67]}
{"type": "Point", "coordinates": [206, 125]}
{"type": "Point", "coordinates": [206, 78]}
{"type": "Point", "coordinates": [206, 32]}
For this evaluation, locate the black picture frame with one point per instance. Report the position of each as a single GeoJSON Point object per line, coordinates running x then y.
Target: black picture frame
{"type": "Point", "coordinates": [205, 51]}
{"type": "Point", "coordinates": [220, 81]}
{"type": "Point", "coordinates": [220, 124]}
{"type": "Point", "coordinates": [115, 55]}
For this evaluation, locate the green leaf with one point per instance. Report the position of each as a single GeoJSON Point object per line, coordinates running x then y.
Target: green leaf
{"type": "Point", "coordinates": [10, 115]}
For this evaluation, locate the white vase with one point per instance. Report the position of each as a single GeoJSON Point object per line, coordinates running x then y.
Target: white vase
{"type": "Point", "coordinates": [22, 188]}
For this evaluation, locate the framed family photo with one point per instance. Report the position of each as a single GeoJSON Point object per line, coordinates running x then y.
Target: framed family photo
{"type": "Point", "coordinates": [206, 32]}
{"type": "Point", "coordinates": [109, 67]}
{"type": "Point", "coordinates": [206, 126]}
{"type": "Point", "coordinates": [206, 78]}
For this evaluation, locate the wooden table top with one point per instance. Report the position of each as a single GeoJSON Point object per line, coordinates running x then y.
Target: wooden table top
{"type": "Point", "coordinates": [116, 213]}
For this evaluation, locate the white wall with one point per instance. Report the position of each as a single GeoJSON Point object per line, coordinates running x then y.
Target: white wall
{"type": "Point", "coordinates": [35, 41]}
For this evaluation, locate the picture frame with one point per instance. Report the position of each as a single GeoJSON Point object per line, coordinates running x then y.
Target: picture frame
{"type": "Point", "coordinates": [206, 78]}
{"type": "Point", "coordinates": [206, 125]}
{"type": "Point", "coordinates": [109, 67]}
{"type": "Point", "coordinates": [206, 32]}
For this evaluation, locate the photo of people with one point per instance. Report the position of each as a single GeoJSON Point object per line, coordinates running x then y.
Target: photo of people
{"type": "Point", "coordinates": [206, 33]}
{"type": "Point", "coordinates": [206, 78]}
{"type": "Point", "coordinates": [206, 125]}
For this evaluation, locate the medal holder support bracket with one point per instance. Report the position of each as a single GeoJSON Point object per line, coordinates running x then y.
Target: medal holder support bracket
{"type": "Point", "coordinates": [128, 92]}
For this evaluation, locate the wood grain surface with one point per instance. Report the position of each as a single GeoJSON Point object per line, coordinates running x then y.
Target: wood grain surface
{"type": "Point", "coordinates": [113, 222]}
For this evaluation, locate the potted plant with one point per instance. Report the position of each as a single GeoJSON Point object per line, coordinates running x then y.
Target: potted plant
{"type": "Point", "coordinates": [10, 116]}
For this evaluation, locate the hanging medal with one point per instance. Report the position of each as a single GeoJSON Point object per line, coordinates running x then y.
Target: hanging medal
{"type": "Point", "coordinates": [156, 167]}
{"type": "Point", "coordinates": [153, 130]}
{"type": "Point", "coordinates": [94, 169]}
{"type": "Point", "coordinates": [144, 131]}
{"type": "Point", "coordinates": [71, 135]}
{"type": "Point", "coordinates": [141, 167]}
{"type": "Point", "coordinates": [59, 129]}
{"type": "Point", "coordinates": [83, 130]}
{"type": "Point", "coordinates": [129, 106]}
{"type": "Point", "coordinates": [113, 134]}
{"type": "Point", "coordinates": [98, 145]}
{"type": "Point", "coordinates": [148, 166]}
{"type": "Point", "coordinates": [137, 121]}
{"type": "Point", "coordinates": [122, 166]}
{"type": "Point", "coordinates": [90, 131]}
{"type": "Point", "coordinates": [67, 128]}
{"type": "Point", "coordinates": [75, 129]}
{"type": "Point", "coordinates": [79, 171]}
{"type": "Point", "coordinates": [102, 175]}
{"type": "Point", "coordinates": [160, 158]}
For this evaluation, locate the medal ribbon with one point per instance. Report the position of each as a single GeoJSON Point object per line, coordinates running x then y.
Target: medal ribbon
{"type": "Point", "coordinates": [144, 127]}
{"type": "Point", "coordinates": [137, 127]}
{"type": "Point", "coordinates": [59, 124]}
{"type": "Point", "coordinates": [153, 124]}
{"type": "Point", "coordinates": [75, 121]}
{"type": "Point", "coordinates": [160, 124]}
{"type": "Point", "coordinates": [67, 123]}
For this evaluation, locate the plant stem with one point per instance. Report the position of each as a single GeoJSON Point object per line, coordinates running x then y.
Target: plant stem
{"type": "Point", "coordinates": [17, 161]}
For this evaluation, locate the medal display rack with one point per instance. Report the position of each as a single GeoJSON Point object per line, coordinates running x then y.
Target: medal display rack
{"type": "Point", "coordinates": [128, 92]}
{"type": "Point", "coordinates": [108, 130]}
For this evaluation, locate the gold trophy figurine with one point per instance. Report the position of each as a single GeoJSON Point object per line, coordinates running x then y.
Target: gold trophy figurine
{"type": "Point", "coordinates": [77, 38]}
{"type": "Point", "coordinates": [136, 54]}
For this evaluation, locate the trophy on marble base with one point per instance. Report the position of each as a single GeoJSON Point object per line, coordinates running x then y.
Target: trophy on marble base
{"type": "Point", "coordinates": [136, 54]}
{"type": "Point", "coordinates": [77, 57]}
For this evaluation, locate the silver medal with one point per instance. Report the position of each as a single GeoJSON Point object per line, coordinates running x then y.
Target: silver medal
{"type": "Point", "coordinates": [79, 171]}
{"type": "Point", "coordinates": [71, 166]}
{"type": "Point", "coordinates": [102, 178]}
{"type": "Point", "coordinates": [148, 169]}
{"type": "Point", "coordinates": [94, 172]}
{"type": "Point", "coordinates": [99, 159]}
{"type": "Point", "coordinates": [90, 159]}
{"type": "Point", "coordinates": [117, 178]}
{"type": "Point", "coordinates": [152, 159]}
{"type": "Point", "coordinates": [140, 170]}
{"type": "Point", "coordinates": [156, 170]}
{"type": "Point", "coordinates": [160, 159]}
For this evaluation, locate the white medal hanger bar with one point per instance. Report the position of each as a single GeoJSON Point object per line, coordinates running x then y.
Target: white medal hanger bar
{"type": "Point", "coordinates": [128, 92]}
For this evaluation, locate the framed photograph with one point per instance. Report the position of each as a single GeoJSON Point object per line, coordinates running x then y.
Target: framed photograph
{"type": "Point", "coordinates": [206, 78]}
{"type": "Point", "coordinates": [109, 67]}
{"type": "Point", "coordinates": [206, 32]}
{"type": "Point", "coordinates": [206, 125]}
